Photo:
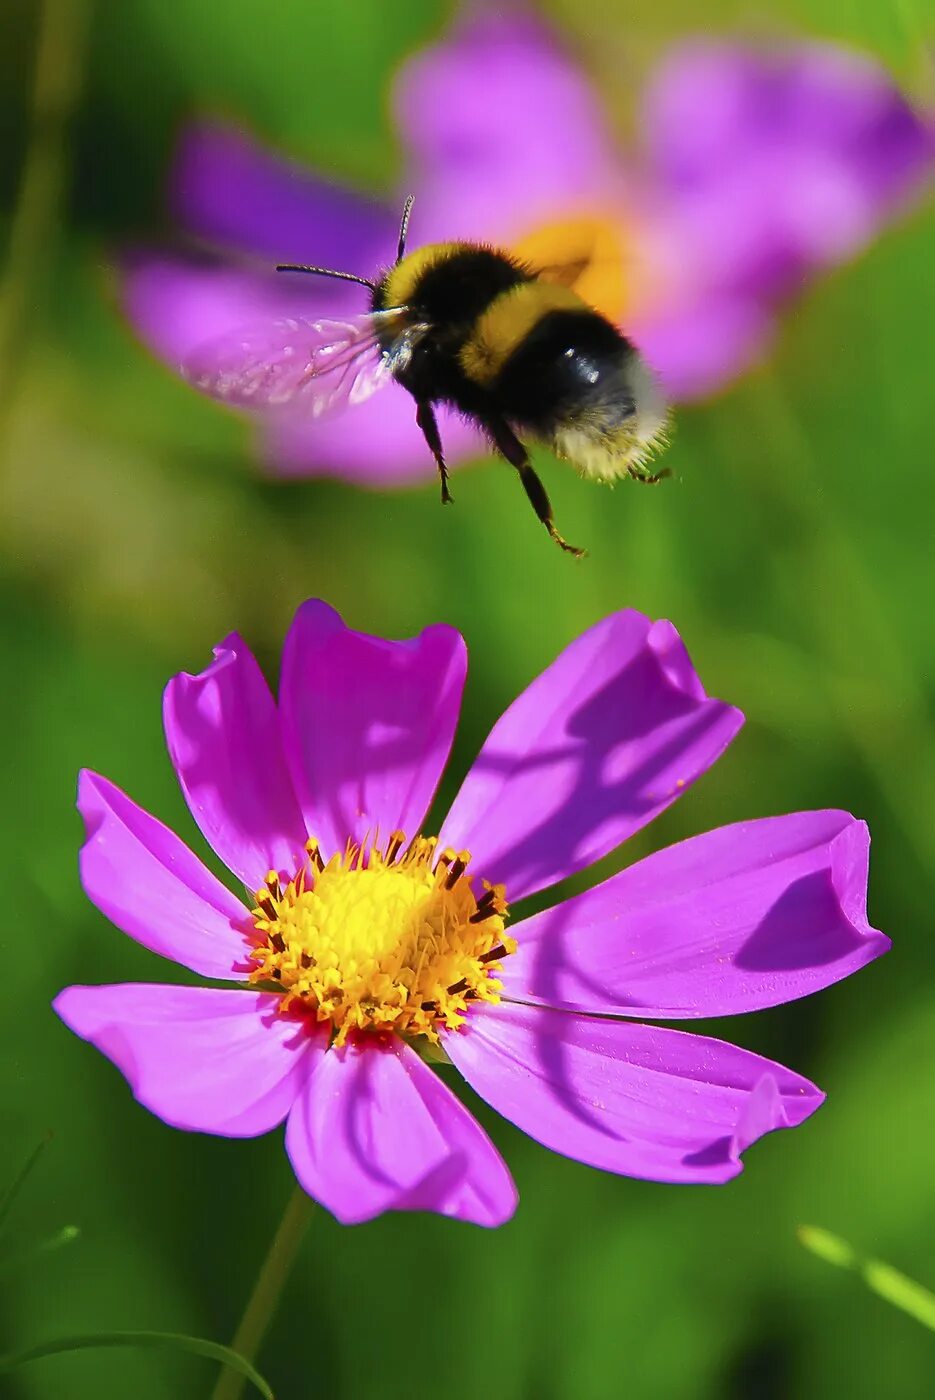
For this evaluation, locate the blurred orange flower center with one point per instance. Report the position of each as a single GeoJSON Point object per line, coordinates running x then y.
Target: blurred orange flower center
{"type": "Point", "coordinates": [589, 253]}
{"type": "Point", "coordinates": [382, 939]}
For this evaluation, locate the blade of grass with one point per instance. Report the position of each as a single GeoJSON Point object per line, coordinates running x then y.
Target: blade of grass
{"type": "Point", "coordinates": [16, 1185]}
{"type": "Point", "coordinates": [9, 1263]}
{"type": "Point", "coordinates": [198, 1346]}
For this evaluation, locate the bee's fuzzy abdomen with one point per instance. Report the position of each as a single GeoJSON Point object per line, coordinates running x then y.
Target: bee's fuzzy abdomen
{"type": "Point", "coordinates": [570, 362]}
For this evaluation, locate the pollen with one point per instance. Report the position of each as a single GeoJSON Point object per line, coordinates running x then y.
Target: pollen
{"type": "Point", "coordinates": [380, 939]}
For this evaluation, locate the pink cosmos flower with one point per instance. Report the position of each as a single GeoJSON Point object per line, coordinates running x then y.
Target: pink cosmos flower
{"type": "Point", "coordinates": [760, 168]}
{"type": "Point", "coordinates": [363, 943]}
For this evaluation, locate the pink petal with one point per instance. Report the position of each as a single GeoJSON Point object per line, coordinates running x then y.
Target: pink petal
{"type": "Point", "coordinates": [150, 885]}
{"type": "Point", "coordinates": [503, 131]}
{"type": "Point", "coordinates": [373, 443]}
{"type": "Point", "coordinates": [717, 111]}
{"type": "Point", "coordinates": [607, 737]}
{"type": "Point", "coordinates": [690, 360]}
{"type": "Point", "coordinates": [375, 1129]}
{"type": "Point", "coordinates": [367, 723]}
{"type": "Point", "coordinates": [222, 729]}
{"type": "Point", "coordinates": [200, 1058]}
{"type": "Point", "coordinates": [228, 189]}
{"type": "Point", "coordinates": [180, 304]}
{"type": "Point", "coordinates": [624, 1097]}
{"type": "Point", "coordinates": [748, 916]}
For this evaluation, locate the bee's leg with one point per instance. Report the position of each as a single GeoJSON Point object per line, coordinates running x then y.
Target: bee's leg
{"type": "Point", "coordinates": [649, 478]}
{"type": "Point", "coordinates": [425, 417]}
{"type": "Point", "coordinates": [508, 444]}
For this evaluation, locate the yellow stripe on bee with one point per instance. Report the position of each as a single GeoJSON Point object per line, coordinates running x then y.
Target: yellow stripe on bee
{"type": "Point", "coordinates": [403, 279]}
{"type": "Point", "coordinates": [506, 323]}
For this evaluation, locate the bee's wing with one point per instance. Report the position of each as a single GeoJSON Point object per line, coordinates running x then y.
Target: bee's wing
{"type": "Point", "coordinates": [307, 367]}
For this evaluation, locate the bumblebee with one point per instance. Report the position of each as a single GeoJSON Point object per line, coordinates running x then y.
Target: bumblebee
{"type": "Point", "coordinates": [511, 347]}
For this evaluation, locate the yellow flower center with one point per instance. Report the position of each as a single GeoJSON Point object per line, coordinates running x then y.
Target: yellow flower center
{"type": "Point", "coordinates": [388, 939]}
{"type": "Point", "coordinates": [586, 252]}
{"type": "Point", "coordinates": [615, 259]}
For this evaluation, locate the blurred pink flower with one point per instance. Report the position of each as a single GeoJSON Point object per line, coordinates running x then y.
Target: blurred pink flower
{"type": "Point", "coordinates": [761, 167]}
{"type": "Point", "coordinates": [361, 946]}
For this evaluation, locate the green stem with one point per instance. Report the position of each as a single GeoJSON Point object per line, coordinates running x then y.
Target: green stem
{"type": "Point", "coordinates": [267, 1291]}
{"type": "Point", "coordinates": [56, 87]}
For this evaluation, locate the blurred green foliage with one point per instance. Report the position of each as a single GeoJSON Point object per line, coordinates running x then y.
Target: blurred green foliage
{"type": "Point", "coordinates": [889, 1283]}
{"type": "Point", "coordinates": [794, 550]}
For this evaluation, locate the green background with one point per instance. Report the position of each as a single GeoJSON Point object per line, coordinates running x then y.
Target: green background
{"type": "Point", "coordinates": [794, 550]}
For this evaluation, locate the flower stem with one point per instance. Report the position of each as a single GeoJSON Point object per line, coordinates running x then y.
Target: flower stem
{"type": "Point", "coordinates": [270, 1282]}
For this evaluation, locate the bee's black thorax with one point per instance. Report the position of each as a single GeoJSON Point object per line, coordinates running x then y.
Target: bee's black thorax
{"type": "Point", "coordinates": [455, 290]}
{"type": "Point", "coordinates": [503, 345]}
{"type": "Point", "coordinates": [448, 286]}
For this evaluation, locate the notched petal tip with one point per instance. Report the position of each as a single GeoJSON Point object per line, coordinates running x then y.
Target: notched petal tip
{"type": "Point", "coordinates": [740, 918]}
{"type": "Point", "coordinates": [318, 623]}
{"type": "Point", "coordinates": [665, 642]}
{"type": "Point", "coordinates": [605, 738]}
{"type": "Point", "coordinates": [664, 639]}
{"type": "Point", "coordinates": [637, 1100]}
{"type": "Point", "coordinates": [767, 1110]}
{"type": "Point", "coordinates": [90, 801]}
{"type": "Point", "coordinates": [367, 722]}
{"type": "Point", "coordinates": [143, 878]}
{"type": "Point", "coordinates": [850, 869]}
{"type": "Point", "coordinates": [224, 654]}
{"type": "Point", "coordinates": [223, 736]}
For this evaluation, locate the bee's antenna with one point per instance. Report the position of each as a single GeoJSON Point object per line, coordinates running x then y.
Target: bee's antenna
{"type": "Point", "coordinates": [326, 272]}
{"type": "Point", "coordinates": [404, 227]}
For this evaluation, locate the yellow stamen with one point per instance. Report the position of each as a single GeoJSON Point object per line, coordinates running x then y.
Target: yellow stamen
{"type": "Point", "coordinates": [376, 940]}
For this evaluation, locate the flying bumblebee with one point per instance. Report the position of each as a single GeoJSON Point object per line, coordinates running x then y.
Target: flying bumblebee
{"type": "Point", "coordinates": [511, 347]}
